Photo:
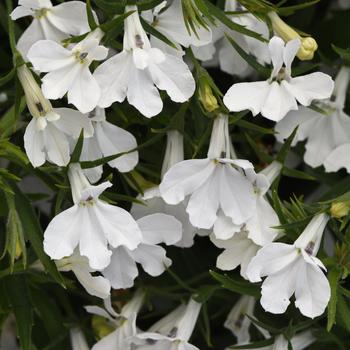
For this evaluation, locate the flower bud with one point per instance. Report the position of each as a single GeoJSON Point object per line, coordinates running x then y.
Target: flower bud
{"type": "Point", "coordinates": [308, 44]}
{"type": "Point", "coordinates": [101, 326]}
{"type": "Point", "coordinates": [339, 209]}
{"type": "Point", "coordinates": [206, 97]}
{"type": "Point", "coordinates": [310, 239]}
{"type": "Point", "coordinates": [37, 104]}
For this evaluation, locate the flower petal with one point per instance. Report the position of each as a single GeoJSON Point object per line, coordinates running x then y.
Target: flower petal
{"type": "Point", "coordinates": [31, 35]}
{"type": "Point", "coordinates": [276, 48]}
{"type": "Point", "coordinates": [279, 102]}
{"type": "Point", "coordinates": [278, 288]}
{"type": "Point", "coordinates": [118, 225]}
{"type": "Point", "coordinates": [70, 18]}
{"type": "Point", "coordinates": [224, 228]}
{"type": "Point", "coordinates": [338, 158]}
{"type": "Point", "coordinates": [142, 93]}
{"type": "Point", "coordinates": [34, 144]}
{"type": "Point", "coordinates": [237, 198]}
{"type": "Point", "coordinates": [289, 52]}
{"type": "Point", "coordinates": [113, 76]}
{"type": "Point", "coordinates": [47, 55]}
{"type": "Point", "coordinates": [312, 291]}
{"type": "Point", "coordinates": [306, 88]}
{"type": "Point", "coordinates": [63, 233]}
{"type": "Point", "coordinates": [84, 93]}
{"type": "Point", "coordinates": [152, 258]}
{"type": "Point", "coordinates": [271, 259]}
{"type": "Point", "coordinates": [160, 228]}
{"type": "Point", "coordinates": [173, 76]}
{"type": "Point", "coordinates": [94, 285]}
{"type": "Point", "coordinates": [250, 96]}
{"type": "Point", "coordinates": [122, 270]}
{"type": "Point", "coordinates": [185, 178]}
{"type": "Point", "coordinates": [113, 140]}
{"type": "Point", "coordinates": [21, 11]}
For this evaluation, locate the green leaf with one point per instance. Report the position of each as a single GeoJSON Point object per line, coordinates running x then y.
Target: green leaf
{"type": "Point", "coordinates": [343, 311]}
{"type": "Point", "coordinates": [210, 10]}
{"type": "Point", "coordinates": [114, 7]}
{"type": "Point", "coordinates": [8, 77]}
{"type": "Point", "coordinates": [282, 154]}
{"type": "Point", "coordinates": [240, 287]}
{"type": "Point", "coordinates": [148, 4]}
{"type": "Point", "coordinates": [151, 30]}
{"type": "Point", "coordinates": [90, 15]}
{"type": "Point", "coordinates": [115, 23]}
{"type": "Point", "coordinates": [250, 126]}
{"type": "Point", "coordinates": [265, 72]}
{"type": "Point", "coordinates": [343, 53]}
{"type": "Point", "coordinates": [34, 233]}
{"type": "Point", "coordinates": [17, 292]}
{"type": "Point", "coordinates": [297, 174]}
{"type": "Point", "coordinates": [78, 148]}
{"type": "Point", "coordinates": [288, 10]}
{"type": "Point", "coordinates": [205, 292]}
{"type": "Point", "coordinates": [333, 278]}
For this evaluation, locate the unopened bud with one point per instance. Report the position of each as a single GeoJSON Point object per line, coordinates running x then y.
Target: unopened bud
{"type": "Point", "coordinates": [208, 100]}
{"type": "Point", "coordinates": [308, 44]}
{"type": "Point", "coordinates": [339, 209]}
{"type": "Point", "coordinates": [37, 104]}
{"type": "Point", "coordinates": [101, 326]}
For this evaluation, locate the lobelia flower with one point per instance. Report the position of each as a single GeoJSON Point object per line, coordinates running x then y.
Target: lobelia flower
{"type": "Point", "coordinates": [50, 22]}
{"type": "Point", "coordinates": [331, 150]}
{"type": "Point", "coordinates": [78, 340]}
{"type": "Point", "coordinates": [140, 70]}
{"type": "Point", "coordinates": [212, 184]}
{"type": "Point", "coordinates": [155, 229]}
{"type": "Point", "coordinates": [172, 331]}
{"type": "Point", "coordinates": [47, 134]}
{"type": "Point", "coordinates": [68, 69]}
{"type": "Point", "coordinates": [108, 140]}
{"type": "Point", "coordinates": [174, 153]}
{"type": "Point", "coordinates": [79, 265]}
{"type": "Point", "coordinates": [90, 224]}
{"type": "Point", "coordinates": [293, 269]}
{"type": "Point", "coordinates": [260, 226]}
{"type": "Point", "coordinates": [275, 97]}
{"type": "Point", "coordinates": [124, 323]}
{"type": "Point", "coordinates": [169, 20]}
{"type": "Point", "coordinates": [238, 322]}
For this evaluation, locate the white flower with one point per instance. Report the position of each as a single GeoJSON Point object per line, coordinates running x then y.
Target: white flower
{"type": "Point", "coordinates": [275, 97]}
{"type": "Point", "coordinates": [78, 340]}
{"type": "Point", "coordinates": [238, 322]}
{"type": "Point", "coordinates": [68, 69]}
{"type": "Point", "coordinates": [92, 224]}
{"type": "Point", "coordinates": [326, 133]}
{"type": "Point", "coordinates": [171, 23]}
{"type": "Point", "coordinates": [108, 140]}
{"type": "Point", "coordinates": [174, 153]}
{"type": "Point", "coordinates": [239, 251]}
{"type": "Point", "coordinates": [124, 323]}
{"type": "Point", "coordinates": [293, 269]}
{"type": "Point", "coordinates": [172, 331]}
{"type": "Point", "coordinates": [155, 229]}
{"type": "Point", "coordinates": [213, 183]}
{"type": "Point", "coordinates": [79, 265]}
{"type": "Point", "coordinates": [46, 136]}
{"type": "Point", "coordinates": [50, 22]}
{"type": "Point", "coordinates": [140, 70]}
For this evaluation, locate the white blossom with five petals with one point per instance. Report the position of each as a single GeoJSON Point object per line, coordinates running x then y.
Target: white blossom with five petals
{"type": "Point", "coordinates": [275, 97]}
{"type": "Point", "coordinates": [68, 69]}
{"type": "Point", "coordinates": [140, 70]}
{"type": "Point", "coordinates": [91, 224]}
{"type": "Point", "coordinates": [50, 22]}
{"type": "Point", "coordinates": [293, 269]}
{"type": "Point", "coordinates": [212, 184]}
